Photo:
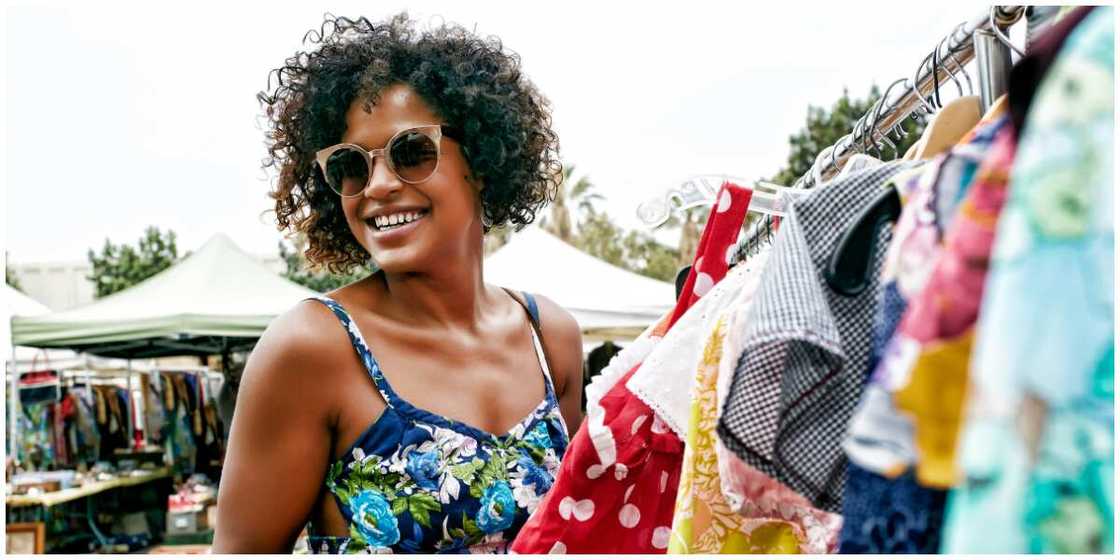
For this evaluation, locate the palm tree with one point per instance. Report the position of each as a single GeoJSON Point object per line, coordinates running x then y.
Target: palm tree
{"type": "Point", "coordinates": [579, 191]}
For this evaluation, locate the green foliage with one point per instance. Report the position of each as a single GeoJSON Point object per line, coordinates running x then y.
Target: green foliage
{"type": "Point", "coordinates": [118, 267]}
{"type": "Point", "coordinates": [10, 277]}
{"type": "Point", "coordinates": [649, 258]}
{"type": "Point", "coordinates": [574, 191]}
{"type": "Point", "coordinates": [635, 251]}
{"type": "Point", "coordinates": [823, 127]}
{"type": "Point", "coordinates": [298, 270]}
{"type": "Point", "coordinates": [599, 237]}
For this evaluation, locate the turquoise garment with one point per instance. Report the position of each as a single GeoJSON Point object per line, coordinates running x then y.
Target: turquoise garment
{"type": "Point", "coordinates": [1037, 449]}
{"type": "Point", "coordinates": [416, 481]}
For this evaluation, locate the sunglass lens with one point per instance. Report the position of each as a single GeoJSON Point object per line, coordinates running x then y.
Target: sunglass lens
{"type": "Point", "coordinates": [415, 156]}
{"type": "Point", "coordinates": [347, 172]}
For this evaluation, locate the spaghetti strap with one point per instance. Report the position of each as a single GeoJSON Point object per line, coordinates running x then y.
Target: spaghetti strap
{"type": "Point", "coordinates": [530, 306]}
{"type": "Point", "coordinates": [360, 346]}
{"type": "Point", "coordinates": [534, 311]}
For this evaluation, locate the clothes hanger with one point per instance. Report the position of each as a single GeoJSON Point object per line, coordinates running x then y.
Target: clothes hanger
{"type": "Point", "coordinates": [699, 191]}
{"type": "Point", "coordinates": [955, 119]}
{"type": "Point", "coordinates": [849, 268]}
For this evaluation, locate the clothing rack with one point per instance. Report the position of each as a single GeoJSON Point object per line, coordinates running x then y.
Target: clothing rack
{"type": "Point", "coordinates": [982, 38]}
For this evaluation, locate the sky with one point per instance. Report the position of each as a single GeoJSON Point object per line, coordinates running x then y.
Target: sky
{"type": "Point", "coordinates": [121, 115]}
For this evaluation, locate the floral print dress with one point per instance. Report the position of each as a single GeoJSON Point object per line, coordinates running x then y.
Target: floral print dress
{"type": "Point", "coordinates": [416, 481]}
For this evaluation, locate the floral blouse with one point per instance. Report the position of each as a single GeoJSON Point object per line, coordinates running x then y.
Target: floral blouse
{"type": "Point", "coordinates": [416, 481]}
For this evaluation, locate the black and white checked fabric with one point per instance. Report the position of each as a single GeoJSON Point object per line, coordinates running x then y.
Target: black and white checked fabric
{"type": "Point", "coordinates": [802, 369]}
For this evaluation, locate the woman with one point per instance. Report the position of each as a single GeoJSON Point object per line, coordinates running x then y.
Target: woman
{"type": "Point", "coordinates": [419, 409]}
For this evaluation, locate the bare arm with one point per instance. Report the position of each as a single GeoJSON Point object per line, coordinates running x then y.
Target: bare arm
{"type": "Point", "coordinates": [564, 345]}
{"type": "Point", "coordinates": [280, 438]}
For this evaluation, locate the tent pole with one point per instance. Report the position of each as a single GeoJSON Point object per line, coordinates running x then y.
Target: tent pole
{"type": "Point", "coordinates": [13, 408]}
{"type": "Point", "coordinates": [131, 405]}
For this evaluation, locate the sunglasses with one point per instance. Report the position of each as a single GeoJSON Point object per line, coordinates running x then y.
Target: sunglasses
{"type": "Point", "coordinates": [411, 154]}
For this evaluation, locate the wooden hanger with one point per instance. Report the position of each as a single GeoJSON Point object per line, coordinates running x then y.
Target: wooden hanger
{"type": "Point", "coordinates": [948, 126]}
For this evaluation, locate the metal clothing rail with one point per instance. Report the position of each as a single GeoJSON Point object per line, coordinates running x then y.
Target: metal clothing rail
{"type": "Point", "coordinates": [907, 97]}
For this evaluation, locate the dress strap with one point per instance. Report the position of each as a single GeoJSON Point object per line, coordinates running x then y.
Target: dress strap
{"type": "Point", "coordinates": [534, 311]}
{"type": "Point", "coordinates": [360, 346]}
{"type": "Point", "coordinates": [530, 305]}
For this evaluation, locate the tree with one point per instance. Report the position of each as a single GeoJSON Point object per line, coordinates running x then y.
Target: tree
{"type": "Point", "coordinates": [122, 266]}
{"type": "Point", "coordinates": [578, 191]}
{"type": "Point", "coordinates": [823, 127]}
{"type": "Point", "coordinates": [299, 270]}
{"type": "Point", "coordinates": [10, 277]}
{"type": "Point", "coordinates": [635, 251]}
{"type": "Point", "coordinates": [646, 256]}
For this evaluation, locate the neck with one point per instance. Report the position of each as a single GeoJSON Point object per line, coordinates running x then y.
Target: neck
{"type": "Point", "coordinates": [451, 294]}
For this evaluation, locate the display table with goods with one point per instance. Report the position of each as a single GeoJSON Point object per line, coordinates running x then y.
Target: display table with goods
{"type": "Point", "coordinates": [99, 510]}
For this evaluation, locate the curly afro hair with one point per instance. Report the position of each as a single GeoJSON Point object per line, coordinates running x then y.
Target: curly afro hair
{"type": "Point", "coordinates": [472, 83]}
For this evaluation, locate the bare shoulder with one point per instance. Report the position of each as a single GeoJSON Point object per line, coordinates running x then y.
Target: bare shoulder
{"type": "Point", "coordinates": [557, 324]}
{"type": "Point", "coordinates": [562, 339]}
{"type": "Point", "coordinates": [298, 348]}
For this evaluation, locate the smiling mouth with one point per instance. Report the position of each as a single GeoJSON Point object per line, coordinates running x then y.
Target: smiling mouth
{"type": "Point", "coordinates": [395, 221]}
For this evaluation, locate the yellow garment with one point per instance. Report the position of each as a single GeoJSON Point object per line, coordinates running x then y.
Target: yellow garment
{"type": "Point", "coordinates": [935, 398]}
{"type": "Point", "coordinates": [703, 522]}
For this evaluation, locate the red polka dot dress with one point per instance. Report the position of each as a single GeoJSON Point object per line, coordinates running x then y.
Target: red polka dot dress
{"type": "Point", "coordinates": [617, 486]}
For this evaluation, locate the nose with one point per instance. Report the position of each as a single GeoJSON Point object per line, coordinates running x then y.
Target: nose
{"type": "Point", "coordinates": [383, 183]}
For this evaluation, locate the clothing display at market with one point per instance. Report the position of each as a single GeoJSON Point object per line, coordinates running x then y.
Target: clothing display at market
{"type": "Point", "coordinates": [906, 349]}
{"type": "Point", "coordinates": [871, 381]}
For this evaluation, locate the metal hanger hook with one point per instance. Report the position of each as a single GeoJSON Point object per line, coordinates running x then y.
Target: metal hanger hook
{"type": "Point", "coordinates": [918, 94]}
{"type": "Point", "coordinates": [961, 70]}
{"type": "Point", "coordinates": [999, 33]}
{"type": "Point", "coordinates": [949, 71]}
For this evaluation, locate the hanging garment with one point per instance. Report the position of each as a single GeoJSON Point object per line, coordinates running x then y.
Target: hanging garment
{"type": "Point", "coordinates": [898, 426]}
{"type": "Point", "coordinates": [664, 379]}
{"type": "Point", "coordinates": [180, 440]}
{"type": "Point", "coordinates": [1028, 72]}
{"type": "Point", "coordinates": [763, 516]}
{"type": "Point", "coordinates": [155, 415]}
{"type": "Point", "coordinates": [85, 422]}
{"type": "Point", "coordinates": [36, 449]}
{"type": "Point", "coordinates": [127, 415]}
{"type": "Point", "coordinates": [1037, 449]}
{"type": "Point", "coordinates": [879, 439]}
{"type": "Point", "coordinates": [802, 368]}
{"type": "Point", "coordinates": [62, 413]}
{"type": "Point", "coordinates": [617, 485]}
{"type": "Point", "coordinates": [417, 481]}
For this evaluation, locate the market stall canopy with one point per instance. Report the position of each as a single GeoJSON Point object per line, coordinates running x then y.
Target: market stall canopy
{"type": "Point", "coordinates": [607, 301]}
{"type": "Point", "coordinates": [217, 299]}
{"type": "Point", "coordinates": [29, 359]}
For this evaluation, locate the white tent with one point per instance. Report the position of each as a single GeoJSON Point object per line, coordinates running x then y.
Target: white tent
{"type": "Point", "coordinates": [27, 358]}
{"type": "Point", "coordinates": [217, 300]}
{"type": "Point", "coordinates": [607, 301]}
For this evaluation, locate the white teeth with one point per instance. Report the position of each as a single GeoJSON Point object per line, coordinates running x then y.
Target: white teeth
{"type": "Point", "coordinates": [382, 222]}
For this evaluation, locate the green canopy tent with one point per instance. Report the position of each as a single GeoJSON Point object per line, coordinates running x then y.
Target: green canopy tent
{"type": "Point", "coordinates": [216, 301]}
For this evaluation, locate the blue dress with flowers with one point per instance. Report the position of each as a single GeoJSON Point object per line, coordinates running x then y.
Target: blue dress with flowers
{"type": "Point", "coordinates": [416, 481]}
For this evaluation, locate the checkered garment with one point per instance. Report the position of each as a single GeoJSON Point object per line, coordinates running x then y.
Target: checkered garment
{"type": "Point", "coordinates": [802, 369]}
